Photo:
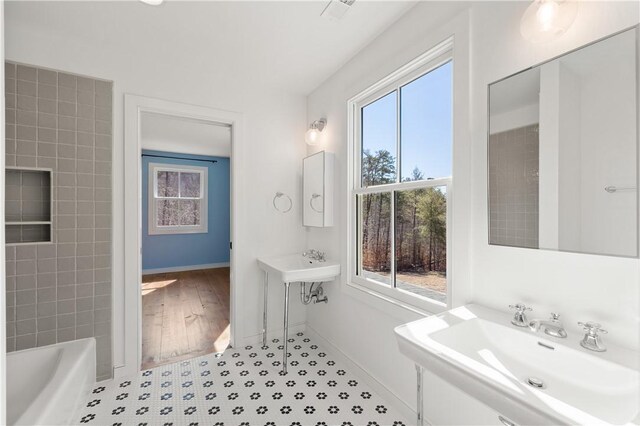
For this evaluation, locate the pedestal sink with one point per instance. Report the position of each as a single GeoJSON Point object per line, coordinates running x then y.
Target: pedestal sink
{"type": "Point", "coordinates": [297, 268]}
{"type": "Point", "coordinates": [478, 350]}
{"type": "Point", "coordinates": [293, 268]}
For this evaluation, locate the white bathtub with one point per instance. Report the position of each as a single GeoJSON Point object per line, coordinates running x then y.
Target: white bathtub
{"type": "Point", "coordinates": [47, 385]}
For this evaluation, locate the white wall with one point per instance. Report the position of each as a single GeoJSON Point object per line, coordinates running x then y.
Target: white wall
{"type": "Point", "coordinates": [580, 287]}
{"type": "Point", "coordinates": [271, 158]}
{"type": "Point", "coordinates": [569, 163]}
{"type": "Point", "coordinates": [360, 325]}
{"type": "Point", "coordinates": [549, 155]}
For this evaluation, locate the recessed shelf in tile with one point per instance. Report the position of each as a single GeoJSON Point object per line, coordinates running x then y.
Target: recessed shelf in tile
{"type": "Point", "coordinates": [28, 205]}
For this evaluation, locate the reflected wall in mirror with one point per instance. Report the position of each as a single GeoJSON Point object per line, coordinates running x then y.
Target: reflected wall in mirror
{"type": "Point", "coordinates": [563, 152]}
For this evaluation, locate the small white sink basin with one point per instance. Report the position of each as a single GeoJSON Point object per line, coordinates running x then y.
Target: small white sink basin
{"type": "Point", "coordinates": [297, 268]}
{"type": "Point", "coordinates": [478, 350]}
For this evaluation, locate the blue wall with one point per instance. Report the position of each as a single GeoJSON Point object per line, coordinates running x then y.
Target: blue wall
{"type": "Point", "coordinates": [165, 251]}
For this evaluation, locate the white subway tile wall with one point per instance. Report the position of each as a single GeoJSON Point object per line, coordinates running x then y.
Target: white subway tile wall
{"type": "Point", "coordinates": [62, 291]}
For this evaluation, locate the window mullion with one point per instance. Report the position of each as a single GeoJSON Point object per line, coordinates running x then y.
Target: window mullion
{"type": "Point", "coordinates": [398, 136]}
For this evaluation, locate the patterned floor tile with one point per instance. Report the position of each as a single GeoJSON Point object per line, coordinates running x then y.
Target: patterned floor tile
{"type": "Point", "coordinates": [242, 387]}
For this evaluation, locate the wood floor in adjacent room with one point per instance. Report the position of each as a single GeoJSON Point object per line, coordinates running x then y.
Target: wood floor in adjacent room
{"type": "Point", "coordinates": [184, 315]}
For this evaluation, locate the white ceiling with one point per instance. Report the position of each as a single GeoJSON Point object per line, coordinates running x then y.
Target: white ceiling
{"type": "Point", "coordinates": [279, 45]}
{"type": "Point", "coordinates": [174, 134]}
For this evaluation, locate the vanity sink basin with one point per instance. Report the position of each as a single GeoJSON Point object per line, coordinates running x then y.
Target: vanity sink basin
{"type": "Point", "coordinates": [528, 376]}
{"type": "Point", "coordinates": [297, 268]}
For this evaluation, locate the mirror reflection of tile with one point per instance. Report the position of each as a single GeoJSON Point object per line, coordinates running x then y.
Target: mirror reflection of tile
{"type": "Point", "coordinates": [513, 187]}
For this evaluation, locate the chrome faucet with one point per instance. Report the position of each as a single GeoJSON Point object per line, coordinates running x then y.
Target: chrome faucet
{"type": "Point", "coordinates": [591, 339]}
{"type": "Point", "coordinates": [553, 326]}
{"type": "Point", "coordinates": [519, 316]}
{"type": "Point", "coordinates": [316, 255]}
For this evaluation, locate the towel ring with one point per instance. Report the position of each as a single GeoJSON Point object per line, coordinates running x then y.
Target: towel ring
{"type": "Point", "coordinates": [313, 197]}
{"type": "Point", "coordinates": [280, 195]}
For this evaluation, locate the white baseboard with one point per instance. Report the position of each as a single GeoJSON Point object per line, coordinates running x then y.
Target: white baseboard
{"type": "Point", "coordinates": [272, 334]}
{"type": "Point", "coordinates": [405, 410]}
{"type": "Point", "coordinates": [185, 268]}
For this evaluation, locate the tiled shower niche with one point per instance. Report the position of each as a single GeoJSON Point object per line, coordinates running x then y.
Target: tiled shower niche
{"type": "Point", "coordinates": [28, 205]}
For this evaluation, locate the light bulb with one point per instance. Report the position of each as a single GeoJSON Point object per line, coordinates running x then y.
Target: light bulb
{"type": "Point", "coordinates": [312, 136]}
{"type": "Point", "coordinates": [545, 20]}
{"type": "Point", "coordinates": [547, 14]}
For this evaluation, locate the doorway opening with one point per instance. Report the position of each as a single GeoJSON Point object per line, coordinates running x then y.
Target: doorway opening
{"type": "Point", "coordinates": [127, 298]}
{"type": "Point", "coordinates": [185, 241]}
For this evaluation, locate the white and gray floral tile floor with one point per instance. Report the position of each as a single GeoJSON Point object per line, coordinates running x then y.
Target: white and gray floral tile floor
{"type": "Point", "coordinates": [242, 387]}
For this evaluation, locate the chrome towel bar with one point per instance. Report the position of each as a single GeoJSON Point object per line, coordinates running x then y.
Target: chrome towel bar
{"type": "Point", "coordinates": [611, 188]}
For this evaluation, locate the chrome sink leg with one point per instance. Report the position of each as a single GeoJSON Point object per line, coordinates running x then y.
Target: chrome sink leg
{"type": "Point", "coordinates": [419, 402]}
{"type": "Point", "coordinates": [286, 327]}
{"type": "Point", "coordinates": [264, 310]}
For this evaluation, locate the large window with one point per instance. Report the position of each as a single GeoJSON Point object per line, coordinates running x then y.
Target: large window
{"type": "Point", "coordinates": [402, 139]}
{"type": "Point", "coordinates": [177, 199]}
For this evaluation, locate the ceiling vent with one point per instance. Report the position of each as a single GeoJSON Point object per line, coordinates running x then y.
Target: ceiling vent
{"type": "Point", "coordinates": [336, 9]}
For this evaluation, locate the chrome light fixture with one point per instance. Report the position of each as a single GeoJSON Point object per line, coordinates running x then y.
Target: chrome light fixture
{"type": "Point", "coordinates": [545, 20]}
{"type": "Point", "coordinates": [152, 2]}
{"type": "Point", "coordinates": [312, 136]}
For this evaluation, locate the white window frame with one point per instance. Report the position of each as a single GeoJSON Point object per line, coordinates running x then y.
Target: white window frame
{"type": "Point", "coordinates": [154, 229]}
{"type": "Point", "coordinates": [435, 57]}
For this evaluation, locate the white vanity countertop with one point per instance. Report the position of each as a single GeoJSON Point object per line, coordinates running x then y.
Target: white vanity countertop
{"type": "Point", "coordinates": [481, 352]}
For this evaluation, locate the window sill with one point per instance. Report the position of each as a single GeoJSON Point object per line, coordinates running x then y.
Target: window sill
{"type": "Point", "coordinates": [177, 231]}
{"type": "Point", "coordinates": [391, 305]}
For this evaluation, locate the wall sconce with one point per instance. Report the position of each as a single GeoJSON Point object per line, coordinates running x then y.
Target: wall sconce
{"type": "Point", "coordinates": [545, 20]}
{"type": "Point", "coordinates": [312, 136]}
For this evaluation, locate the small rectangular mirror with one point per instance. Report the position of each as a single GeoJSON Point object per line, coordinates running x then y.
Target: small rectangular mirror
{"type": "Point", "coordinates": [317, 193]}
{"type": "Point", "coordinates": [563, 152]}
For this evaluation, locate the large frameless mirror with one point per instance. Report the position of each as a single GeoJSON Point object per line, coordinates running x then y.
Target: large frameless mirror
{"type": "Point", "coordinates": [563, 152]}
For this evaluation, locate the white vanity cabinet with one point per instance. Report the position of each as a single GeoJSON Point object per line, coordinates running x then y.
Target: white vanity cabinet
{"type": "Point", "coordinates": [317, 192]}
{"type": "Point", "coordinates": [445, 404]}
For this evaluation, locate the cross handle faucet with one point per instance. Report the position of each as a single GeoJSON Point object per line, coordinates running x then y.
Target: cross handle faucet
{"type": "Point", "coordinates": [519, 316]}
{"type": "Point", "coordinates": [591, 339]}
{"type": "Point", "coordinates": [316, 255]}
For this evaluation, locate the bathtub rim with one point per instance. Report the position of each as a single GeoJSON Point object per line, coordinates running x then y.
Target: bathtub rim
{"type": "Point", "coordinates": [59, 381]}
